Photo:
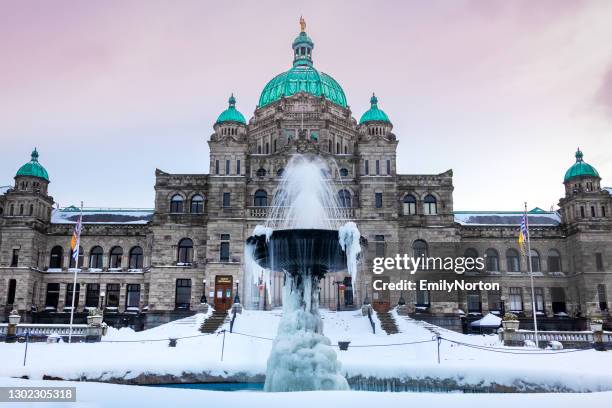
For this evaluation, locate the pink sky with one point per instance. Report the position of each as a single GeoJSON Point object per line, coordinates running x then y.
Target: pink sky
{"type": "Point", "coordinates": [501, 92]}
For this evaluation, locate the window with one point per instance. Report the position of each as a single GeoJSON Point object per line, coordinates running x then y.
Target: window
{"type": "Point", "coordinates": [345, 149]}
{"type": "Point", "coordinates": [539, 299]}
{"type": "Point", "coordinates": [224, 252]}
{"type": "Point", "coordinates": [343, 172]}
{"type": "Point", "coordinates": [280, 172]}
{"type": "Point", "coordinates": [599, 266]}
{"type": "Point", "coordinates": [57, 257]}
{"type": "Point", "coordinates": [409, 205]}
{"type": "Point", "coordinates": [558, 301]}
{"type": "Point", "coordinates": [344, 198]}
{"type": "Point", "coordinates": [92, 295]}
{"type": "Point", "coordinates": [419, 248]}
{"type": "Point", "coordinates": [176, 204]}
{"type": "Point", "coordinates": [12, 289]}
{"type": "Point", "coordinates": [535, 261]}
{"type": "Point", "coordinates": [31, 209]}
{"type": "Point", "coordinates": [338, 148]}
{"type": "Point", "coordinates": [377, 167]}
{"type": "Point", "coordinates": [554, 261]}
{"type": "Point", "coordinates": [275, 149]}
{"type": "Point", "coordinates": [329, 147]}
{"type": "Point", "coordinates": [183, 294]}
{"type": "Point", "coordinates": [515, 300]}
{"type": "Point", "coordinates": [136, 258]}
{"type": "Point", "coordinates": [380, 246]}
{"type": "Point", "coordinates": [227, 167]}
{"type": "Point", "coordinates": [258, 149]}
{"type": "Point", "coordinates": [112, 294]}
{"type": "Point", "coordinates": [378, 200]}
{"type": "Point", "coordinates": [388, 167]}
{"type": "Point", "coordinates": [197, 204]}
{"type": "Point", "coordinates": [68, 301]}
{"type": "Point", "coordinates": [81, 258]}
{"type": "Point", "coordinates": [185, 251]}
{"type": "Point", "coordinates": [430, 205]}
{"type": "Point", "coordinates": [602, 296]}
{"type": "Point", "coordinates": [492, 260]}
{"type": "Point", "coordinates": [238, 167]}
{"type": "Point", "coordinates": [603, 211]}
{"type": "Point", "coordinates": [132, 298]}
{"type": "Point", "coordinates": [471, 253]}
{"type": "Point", "coordinates": [495, 305]}
{"type": "Point", "coordinates": [267, 148]}
{"type": "Point", "coordinates": [473, 302]}
{"type": "Point", "coordinates": [260, 199]}
{"type": "Point", "coordinates": [95, 257]}
{"type": "Point", "coordinates": [116, 254]}
{"type": "Point", "coordinates": [52, 297]}
{"type": "Point", "coordinates": [226, 200]}
{"type": "Point", "coordinates": [422, 298]}
{"type": "Point", "coordinates": [261, 172]}
{"type": "Point", "coordinates": [15, 258]}
{"type": "Point", "coordinates": [513, 262]}
{"type": "Point", "coordinates": [582, 212]}
{"type": "Point", "coordinates": [366, 169]}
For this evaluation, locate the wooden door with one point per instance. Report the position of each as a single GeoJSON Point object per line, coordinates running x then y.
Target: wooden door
{"type": "Point", "coordinates": [381, 298]}
{"type": "Point", "coordinates": [223, 292]}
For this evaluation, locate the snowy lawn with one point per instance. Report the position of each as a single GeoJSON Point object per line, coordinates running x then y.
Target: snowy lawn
{"type": "Point", "coordinates": [578, 371]}
{"type": "Point", "coordinates": [110, 395]}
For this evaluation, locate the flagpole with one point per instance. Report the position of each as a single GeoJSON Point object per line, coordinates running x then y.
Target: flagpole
{"type": "Point", "coordinates": [533, 302]}
{"type": "Point", "coordinates": [75, 255]}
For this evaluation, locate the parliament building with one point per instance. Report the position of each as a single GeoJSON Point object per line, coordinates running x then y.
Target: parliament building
{"type": "Point", "coordinates": [145, 267]}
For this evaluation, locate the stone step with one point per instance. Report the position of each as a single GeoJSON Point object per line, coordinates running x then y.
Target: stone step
{"type": "Point", "coordinates": [214, 322]}
{"type": "Point", "coordinates": [387, 322]}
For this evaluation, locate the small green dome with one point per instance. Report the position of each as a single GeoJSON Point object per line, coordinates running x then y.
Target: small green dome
{"type": "Point", "coordinates": [580, 169]}
{"type": "Point", "coordinates": [231, 114]}
{"type": "Point", "coordinates": [302, 77]}
{"type": "Point", "coordinates": [33, 168]}
{"type": "Point", "coordinates": [374, 114]}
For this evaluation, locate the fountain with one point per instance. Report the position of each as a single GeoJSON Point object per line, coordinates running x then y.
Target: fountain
{"type": "Point", "coordinates": [305, 236]}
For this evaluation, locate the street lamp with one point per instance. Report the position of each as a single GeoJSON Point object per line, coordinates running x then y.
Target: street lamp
{"type": "Point", "coordinates": [237, 297]}
{"type": "Point", "coordinates": [366, 299]}
{"type": "Point", "coordinates": [203, 298]}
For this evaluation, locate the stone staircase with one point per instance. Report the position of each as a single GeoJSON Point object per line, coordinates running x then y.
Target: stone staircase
{"type": "Point", "coordinates": [214, 322]}
{"type": "Point", "coordinates": [387, 322]}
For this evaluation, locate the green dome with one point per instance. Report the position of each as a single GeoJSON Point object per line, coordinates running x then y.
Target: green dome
{"type": "Point", "coordinates": [33, 168]}
{"type": "Point", "coordinates": [580, 169]}
{"type": "Point", "coordinates": [231, 114]}
{"type": "Point", "coordinates": [374, 114]}
{"type": "Point", "coordinates": [302, 77]}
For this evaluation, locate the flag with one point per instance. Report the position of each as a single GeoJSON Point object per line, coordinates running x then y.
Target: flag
{"type": "Point", "coordinates": [522, 239]}
{"type": "Point", "coordinates": [76, 239]}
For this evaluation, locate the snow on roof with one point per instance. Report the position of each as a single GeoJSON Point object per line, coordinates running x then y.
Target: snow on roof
{"type": "Point", "coordinates": [608, 189]}
{"type": "Point", "coordinates": [490, 320]}
{"type": "Point", "coordinates": [537, 217]}
{"type": "Point", "coordinates": [4, 189]}
{"type": "Point", "coordinates": [70, 215]}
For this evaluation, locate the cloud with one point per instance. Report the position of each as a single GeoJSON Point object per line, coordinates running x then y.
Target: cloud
{"type": "Point", "coordinates": [604, 94]}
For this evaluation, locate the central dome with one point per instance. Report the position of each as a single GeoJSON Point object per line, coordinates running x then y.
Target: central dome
{"type": "Point", "coordinates": [302, 77]}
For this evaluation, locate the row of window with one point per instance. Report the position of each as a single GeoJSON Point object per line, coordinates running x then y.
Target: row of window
{"type": "Point", "coordinates": [196, 204]}
{"type": "Point", "coordinates": [377, 168]}
{"type": "Point", "coordinates": [96, 256]}
{"type": "Point", "coordinates": [513, 260]}
{"type": "Point", "coordinates": [430, 205]}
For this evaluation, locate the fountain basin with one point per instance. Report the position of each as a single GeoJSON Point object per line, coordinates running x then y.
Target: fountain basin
{"type": "Point", "coordinates": [298, 250]}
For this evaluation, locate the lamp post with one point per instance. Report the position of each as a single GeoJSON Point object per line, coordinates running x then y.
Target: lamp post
{"type": "Point", "coordinates": [203, 298]}
{"type": "Point", "coordinates": [237, 297]}
{"type": "Point", "coordinates": [102, 295]}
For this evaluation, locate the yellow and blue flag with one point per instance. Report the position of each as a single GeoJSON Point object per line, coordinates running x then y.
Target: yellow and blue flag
{"type": "Point", "coordinates": [522, 239]}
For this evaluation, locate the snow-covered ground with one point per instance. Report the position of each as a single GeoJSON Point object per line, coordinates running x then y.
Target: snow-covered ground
{"type": "Point", "coordinates": [115, 358]}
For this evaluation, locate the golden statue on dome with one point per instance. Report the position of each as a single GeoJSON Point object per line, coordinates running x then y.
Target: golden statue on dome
{"type": "Point", "coordinates": [302, 24]}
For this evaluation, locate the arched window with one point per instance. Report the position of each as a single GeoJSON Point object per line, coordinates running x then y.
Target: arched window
{"type": "Point", "coordinates": [492, 260]}
{"type": "Point", "coordinates": [57, 257]}
{"type": "Point", "coordinates": [343, 172]}
{"type": "Point", "coordinates": [554, 261]}
{"type": "Point", "coordinates": [513, 261]}
{"type": "Point", "coordinates": [176, 204]}
{"type": "Point", "coordinates": [344, 198]}
{"type": "Point", "coordinates": [261, 172]}
{"type": "Point", "coordinates": [430, 205]}
{"type": "Point", "coordinates": [95, 257]}
{"type": "Point", "coordinates": [535, 261]}
{"type": "Point", "coordinates": [338, 148]}
{"type": "Point", "coordinates": [419, 248]}
{"type": "Point", "coordinates": [31, 209]}
{"type": "Point", "coordinates": [116, 253]}
{"type": "Point", "coordinates": [136, 258]}
{"type": "Point", "coordinates": [81, 257]}
{"type": "Point", "coordinates": [280, 172]}
{"type": "Point", "coordinates": [409, 205]}
{"type": "Point", "coordinates": [197, 204]}
{"type": "Point", "coordinates": [185, 251]}
{"type": "Point", "coordinates": [471, 253]}
{"type": "Point", "coordinates": [260, 199]}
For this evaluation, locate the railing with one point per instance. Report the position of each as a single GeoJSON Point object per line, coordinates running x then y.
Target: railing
{"type": "Point", "coordinates": [46, 329]}
{"type": "Point", "coordinates": [263, 212]}
{"type": "Point", "coordinates": [564, 336]}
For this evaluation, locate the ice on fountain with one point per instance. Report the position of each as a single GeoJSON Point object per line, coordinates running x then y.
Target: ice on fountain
{"type": "Point", "coordinates": [261, 230]}
{"type": "Point", "coordinates": [349, 236]}
{"type": "Point", "coordinates": [302, 359]}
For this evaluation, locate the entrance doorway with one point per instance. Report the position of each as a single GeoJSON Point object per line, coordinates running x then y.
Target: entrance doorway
{"type": "Point", "coordinates": [223, 292]}
{"type": "Point", "coordinates": [381, 301]}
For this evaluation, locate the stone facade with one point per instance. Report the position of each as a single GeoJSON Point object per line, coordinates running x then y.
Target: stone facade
{"type": "Point", "coordinates": [192, 242]}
